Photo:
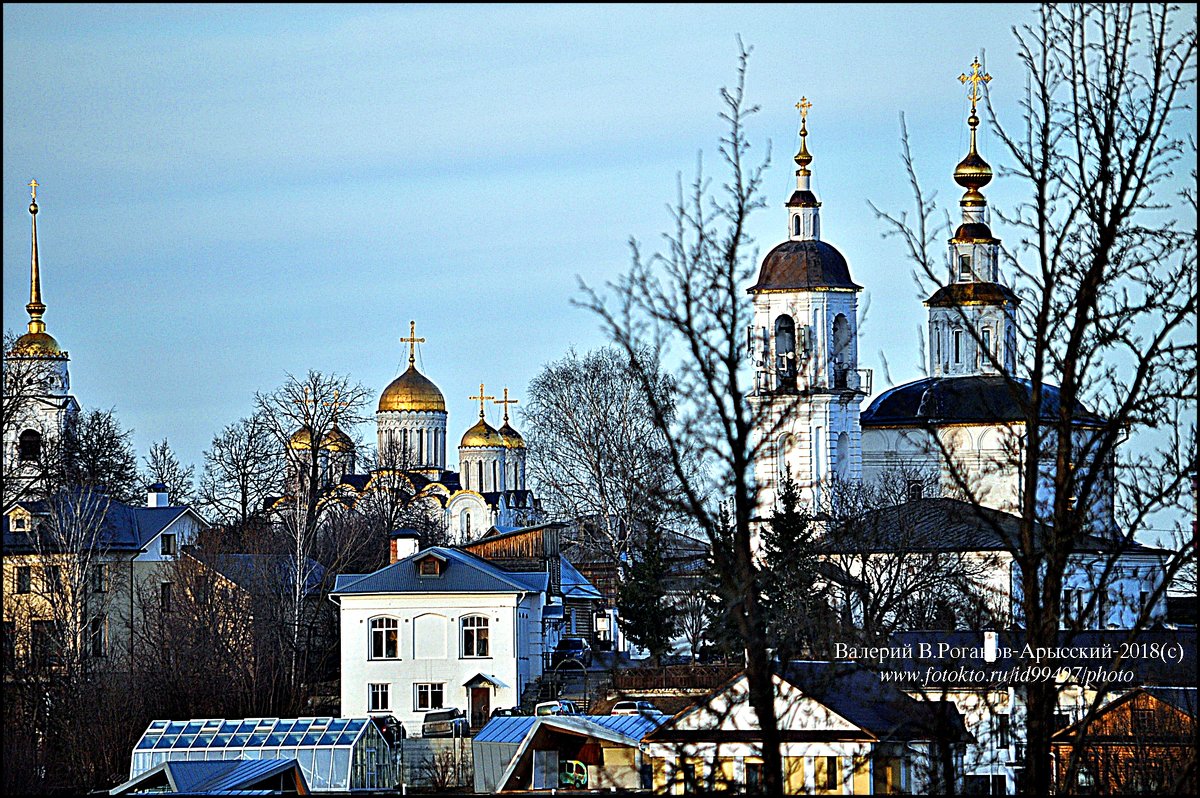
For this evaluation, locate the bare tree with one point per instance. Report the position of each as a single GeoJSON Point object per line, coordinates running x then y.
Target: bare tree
{"type": "Point", "coordinates": [162, 466]}
{"type": "Point", "coordinates": [242, 467]}
{"type": "Point", "coordinates": [1105, 266]}
{"type": "Point", "coordinates": [688, 305]}
{"type": "Point", "coordinates": [95, 452]}
{"type": "Point", "coordinates": [595, 454]}
{"type": "Point", "coordinates": [302, 414]}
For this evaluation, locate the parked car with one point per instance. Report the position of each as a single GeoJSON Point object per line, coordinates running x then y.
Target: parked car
{"type": "Point", "coordinates": [444, 723]}
{"type": "Point", "coordinates": [634, 708]}
{"type": "Point", "coordinates": [572, 774]}
{"type": "Point", "coordinates": [391, 728]}
{"type": "Point", "coordinates": [507, 712]}
{"type": "Point", "coordinates": [572, 648]}
{"type": "Point", "coordinates": [559, 707]}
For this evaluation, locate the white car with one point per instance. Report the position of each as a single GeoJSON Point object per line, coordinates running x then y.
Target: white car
{"type": "Point", "coordinates": [634, 708]}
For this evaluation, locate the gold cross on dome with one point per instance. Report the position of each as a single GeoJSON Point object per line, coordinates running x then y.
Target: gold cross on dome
{"type": "Point", "coordinates": [974, 94]}
{"type": "Point", "coordinates": [412, 340]}
{"type": "Point", "coordinates": [335, 404]}
{"type": "Point", "coordinates": [803, 105]}
{"type": "Point", "coordinates": [305, 402]}
{"type": "Point", "coordinates": [33, 184]}
{"type": "Point", "coordinates": [506, 402]}
{"type": "Point", "coordinates": [481, 399]}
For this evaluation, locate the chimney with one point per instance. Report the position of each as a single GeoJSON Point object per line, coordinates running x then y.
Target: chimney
{"type": "Point", "coordinates": [405, 543]}
{"type": "Point", "coordinates": [156, 495]}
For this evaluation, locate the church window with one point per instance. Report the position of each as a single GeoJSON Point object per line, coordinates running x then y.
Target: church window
{"type": "Point", "coordinates": [479, 476]}
{"type": "Point", "coordinates": [784, 450]}
{"type": "Point", "coordinates": [916, 490]}
{"type": "Point", "coordinates": [420, 447]}
{"type": "Point", "coordinates": [964, 267]}
{"type": "Point", "coordinates": [406, 451]}
{"type": "Point", "coordinates": [385, 636]}
{"type": "Point", "coordinates": [843, 455]}
{"type": "Point", "coordinates": [958, 334]}
{"type": "Point", "coordinates": [986, 337]}
{"type": "Point", "coordinates": [796, 225]}
{"type": "Point", "coordinates": [495, 475]}
{"type": "Point", "coordinates": [29, 447]}
{"type": "Point", "coordinates": [464, 522]}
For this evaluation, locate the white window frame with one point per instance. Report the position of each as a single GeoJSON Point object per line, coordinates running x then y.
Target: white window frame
{"type": "Point", "coordinates": [379, 697]}
{"type": "Point", "coordinates": [474, 629]}
{"type": "Point", "coordinates": [423, 696]}
{"type": "Point", "coordinates": [167, 544]}
{"type": "Point", "coordinates": [379, 627]}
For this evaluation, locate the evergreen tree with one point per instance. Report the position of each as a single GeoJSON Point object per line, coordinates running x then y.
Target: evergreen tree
{"type": "Point", "coordinates": [646, 612]}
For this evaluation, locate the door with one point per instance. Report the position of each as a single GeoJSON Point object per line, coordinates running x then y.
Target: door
{"type": "Point", "coordinates": [480, 706]}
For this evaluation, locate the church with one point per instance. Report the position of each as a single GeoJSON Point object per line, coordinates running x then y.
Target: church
{"type": "Point", "coordinates": [411, 420]}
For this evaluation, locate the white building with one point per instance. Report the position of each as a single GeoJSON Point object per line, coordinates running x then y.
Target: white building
{"type": "Point", "coordinates": [443, 628]}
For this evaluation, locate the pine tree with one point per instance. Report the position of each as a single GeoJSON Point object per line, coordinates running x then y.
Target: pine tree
{"type": "Point", "coordinates": [646, 612]}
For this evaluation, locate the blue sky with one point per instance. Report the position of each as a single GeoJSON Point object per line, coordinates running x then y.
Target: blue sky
{"type": "Point", "coordinates": [229, 193]}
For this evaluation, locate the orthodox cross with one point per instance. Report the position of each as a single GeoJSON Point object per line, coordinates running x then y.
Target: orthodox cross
{"type": "Point", "coordinates": [506, 402]}
{"type": "Point", "coordinates": [974, 79]}
{"type": "Point", "coordinates": [335, 404]}
{"type": "Point", "coordinates": [33, 184]}
{"type": "Point", "coordinates": [803, 105]}
{"type": "Point", "coordinates": [412, 340]}
{"type": "Point", "coordinates": [481, 399]}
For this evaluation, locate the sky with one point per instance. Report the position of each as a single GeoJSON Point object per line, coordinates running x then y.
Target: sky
{"type": "Point", "coordinates": [229, 194]}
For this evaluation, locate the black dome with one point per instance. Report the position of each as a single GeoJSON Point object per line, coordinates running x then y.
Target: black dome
{"type": "Point", "coordinates": [961, 400]}
{"type": "Point", "coordinates": [801, 265]}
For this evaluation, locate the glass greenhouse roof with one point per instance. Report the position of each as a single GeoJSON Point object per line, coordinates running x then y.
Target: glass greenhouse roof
{"type": "Point", "coordinates": [334, 753]}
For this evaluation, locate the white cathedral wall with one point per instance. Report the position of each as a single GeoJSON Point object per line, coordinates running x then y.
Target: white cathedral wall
{"type": "Point", "coordinates": [391, 425]}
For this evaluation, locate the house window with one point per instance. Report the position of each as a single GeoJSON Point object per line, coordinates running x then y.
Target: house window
{"type": "Point", "coordinates": [958, 346]}
{"type": "Point", "coordinates": [385, 638]}
{"type": "Point", "coordinates": [99, 578]}
{"type": "Point", "coordinates": [29, 446]}
{"type": "Point", "coordinates": [164, 596]}
{"type": "Point", "coordinates": [475, 636]}
{"type": "Point", "coordinates": [1141, 721]}
{"type": "Point", "coordinates": [1003, 730]}
{"type": "Point", "coordinates": [430, 696]}
{"type": "Point", "coordinates": [52, 579]}
{"type": "Point", "coordinates": [379, 697]}
{"type": "Point", "coordinates": [96, 630]}
{"type": "Point", "coordinates": [167, 546]}
{"type": "Point", "coordinates": [430, 566]}
{"type": "Point", "coordinates": [24, 579]}
{"type": "Point", "coordinates": [753, 776]}
{"type": "Point", "coordinates": [828, 772]}
{"type": "Point", "coordinates": [18, 523]}
{"type": "Point", "coordinates": [43, 643]}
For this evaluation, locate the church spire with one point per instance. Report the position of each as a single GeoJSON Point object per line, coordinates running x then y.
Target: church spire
{"type": "Point", "coordinates": [36, 307]}
{"type": "Point", "coordinates": [973, 173]}
{"type": "Point", "coordinates": [804, 221]}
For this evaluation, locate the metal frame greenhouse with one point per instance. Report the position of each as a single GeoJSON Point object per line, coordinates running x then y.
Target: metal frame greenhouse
{"type": "Point", "coordinates": [336, 754]}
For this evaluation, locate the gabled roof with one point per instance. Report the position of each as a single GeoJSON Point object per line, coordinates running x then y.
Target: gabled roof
{"type": "Point", "coordinates": [126, 527]}
{"type": "Point", "coordinates": [463, 573]}
{"type": "Point", "coordinates": [574, 584]}
{"type": "Point", "coordinates": [255, 571]}
{"type": "Point", "coordinates": [212, 777]}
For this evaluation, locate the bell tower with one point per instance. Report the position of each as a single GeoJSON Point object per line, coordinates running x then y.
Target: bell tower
{"type": "Point", "coordinates": [803, 345]}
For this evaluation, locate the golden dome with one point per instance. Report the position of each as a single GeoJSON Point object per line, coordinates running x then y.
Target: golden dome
{"type": "Point", "coordinates": [37, 344]}
{"type": "Point", "coordinates": [512, 438]}
{"type": "Point", "coordinates": [482, 434]}
{"type": "Point", "coordinates": [301, 439]}
{"type": "Point", "coordinates": [337, 441]}
{"type": "Point", "coordinates": [413, 391]}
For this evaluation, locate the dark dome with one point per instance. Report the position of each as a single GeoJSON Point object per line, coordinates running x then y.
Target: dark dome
{"type": "Point", "coordinates": [956, 294]}
{"type": "Point", "coordinates": [803, 265]}
{"type": "Point", "coordinates": [961, 400]}
{"type": "Point", "coordinates": [973, 231]}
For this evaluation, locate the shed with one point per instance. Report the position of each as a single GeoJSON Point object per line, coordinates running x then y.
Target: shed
{"type": "Point", "coordinates": [506, 748]}
{"type": "Point", "coordinates": [335, 754]}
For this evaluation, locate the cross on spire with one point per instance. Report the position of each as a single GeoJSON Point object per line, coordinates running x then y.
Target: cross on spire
{"type": "Point", "coordinates": [412, 340]}
{"type": "Point", "coordinates": [481, 399]}
{"type": "Point", "coordinates": [306, 402]}
{"type": "Point", "coordinates": [803, 105]}
{"type": "Point", "coordinates": [33, 185]}
{"type": "Point", "coordinates": [974, 94]}
{"type": "Point", "coordinates": [335, 404]}
{"type": "Point", "coordinates": [505, 402]}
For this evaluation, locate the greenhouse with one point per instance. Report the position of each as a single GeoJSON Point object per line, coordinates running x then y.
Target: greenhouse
{"type": "Point", "coordinates": [336, 754]}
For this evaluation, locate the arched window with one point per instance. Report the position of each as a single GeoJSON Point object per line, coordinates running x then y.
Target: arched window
{"type": "Point", "coordinates": [29, 446]}
{"type": "Point", "coordinates": [843, 455]}
{"type": "Point", "coordinates": [385, 638]}
{"type": "Point", "coordinates": [841, 340]}
{"type": "Point", "coordinates": [420, 447]}
{"type": "Point", "coordinates": [475, 636]}
{"type": "Point", "coordinates": [985, 337]}
{"type": "Point", "coordinates": [785, 348]}
{"type": "Point", "coordinates": [479, 476]}
{"type": "Point", "coordinates": [464, 523]}
{"type": "Point", "coordinates": [958, 346]}
{"type": "Point", "coordinates": [796, 225]}
{"type": "Point", "coordinates": [783, 453]}
{"type": "Point", "coordinates": [495, 475]}
{"type": "Point", "coordinates": [964, 267]}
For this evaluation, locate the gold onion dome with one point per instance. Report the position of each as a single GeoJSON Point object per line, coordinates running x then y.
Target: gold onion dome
{"type": "Point", "coordinates": [412, 391]}
{"type": "Point", "coordinates": [972, 172]}
{"type": "Point", "coordinates": [37, 344]}
{"type": "Point", "coordinates": [512, 438]}
{"type": "Point", "coordinates": [337, 441]}
{"type": "Point", "coordinates": [482, 434]}
{"type": "Point", "coordinates": [301, 439]}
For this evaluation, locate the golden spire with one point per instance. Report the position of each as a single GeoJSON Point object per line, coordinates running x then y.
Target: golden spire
{"type": "Point", "coordinates": [803, 158]}
{"type": "Point", "coordinates": [505, 402]}
{"type": "Point", "coordinates": [35, 308]}
{"type": "Point", "coordinates": [973, 173]}
{"type": "Point", "coordinates": [412, 340]}
{"type": "Point", "coordinates": [481, 399]}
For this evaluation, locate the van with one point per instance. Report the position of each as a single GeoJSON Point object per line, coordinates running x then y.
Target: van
{"type": "Point", "coordinates": [444, 723]}
{"type": "Point", "coordinates": [560, 707]}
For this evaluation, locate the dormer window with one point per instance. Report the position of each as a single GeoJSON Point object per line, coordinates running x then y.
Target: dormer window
{"type": "Point", "coordinates": [429, 566]}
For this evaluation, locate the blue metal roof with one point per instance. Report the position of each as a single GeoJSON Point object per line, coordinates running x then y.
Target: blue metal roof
{"type": "Point", "coordinates": [514, 729]}
{"type": "Point", "coordinates": [463, 573]}
{"type": "Point", "coordinates": [126, 527]}
{"type": "Point", "coordinates": [574, 584]}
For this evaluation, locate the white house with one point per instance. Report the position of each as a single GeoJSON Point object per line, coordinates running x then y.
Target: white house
{"type": "Point", "coordinates": [443, 628]}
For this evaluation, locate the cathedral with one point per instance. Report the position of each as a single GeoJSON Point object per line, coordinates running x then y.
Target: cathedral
{"type": "Point", "coordinates": [960, 430]}
{"type": "Point", "coordinates": [37, 383]}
